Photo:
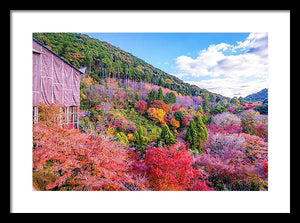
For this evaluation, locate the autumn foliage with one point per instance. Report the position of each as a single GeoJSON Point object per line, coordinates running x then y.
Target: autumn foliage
{"type": "Point", "coordinates": [81, 161]}
{"type": "Point", "coordinates": [141, 106]}
{"type": "Point", "coordinates": [170, 169]}
{"type": "Point", "coordinates": [160, 105]}
{"type": "Point", "coordinates": [140, 129]}
{"type": "Point", "coordinates": [157, 115]}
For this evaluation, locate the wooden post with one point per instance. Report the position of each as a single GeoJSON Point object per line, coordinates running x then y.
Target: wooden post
{"type": "Point", "coordinates": [35, 115]}
{"type": "Point", "coordinates": [73, 116]}
{"type": "Point", "coordinates": [67, 115]}
{"type": "Point", "coordinates": [60, 116]}
{"type": "Point", "coordinates": [77, 118]}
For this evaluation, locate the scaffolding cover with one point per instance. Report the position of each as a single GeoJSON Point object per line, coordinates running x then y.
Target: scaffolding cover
{"type": "Point", "coordinates": [54, 81]}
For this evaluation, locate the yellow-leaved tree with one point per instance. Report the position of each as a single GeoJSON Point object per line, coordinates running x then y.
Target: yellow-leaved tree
{"type": "Point", "coordinates": [157, 115]}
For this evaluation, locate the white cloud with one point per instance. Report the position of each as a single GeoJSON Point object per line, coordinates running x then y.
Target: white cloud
{"type": "Point", "coordinates": [256, 43]}
{"type": "Point", "coordinates": [242, 73]}
{"type": "Point", "coordinates": [231, 87]}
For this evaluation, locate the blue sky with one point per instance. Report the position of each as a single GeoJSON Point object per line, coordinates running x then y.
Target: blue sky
{"type": "Point", "coordinates": [232, 64]}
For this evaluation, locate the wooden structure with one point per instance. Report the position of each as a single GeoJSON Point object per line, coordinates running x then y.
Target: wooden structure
{"type": "Point", "coordinates": [55, 81]}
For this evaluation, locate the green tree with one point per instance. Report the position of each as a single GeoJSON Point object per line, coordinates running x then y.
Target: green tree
{"type": "Point", "coordinates": [201, 129]}
{"type": "Point", "coordinates": [218, 109]}
{"type": "Point", "coordinates": [139, 139]}
{"type": "Point", "coordinates": [191, 135]}
{"type": "Point", "coordinates": [166, 137]}
{"type": "Point", "coordinates": [224, 103]}
{"type": "Point", "coordinates": [200, 109]}
{"type": "Point", "coordinates": [205, 102]}
{"type": "Point", "coordinates": [242, 100]}
{"type": "Point", "coordinates": [160, 95]}
{"type": "Point", "coordinates": [179, 115]}
{"type": "Point", "coordinates": [209, 120]}
{"type": "Point", "coordinates": [122, 138]}
{"type": "Point", "coordinates": [136, 96]}
{"type": "Point", "coordinates": [212, 97]}
{"type": "Point", "coordinates": [204, 119]}
{"type": "Point", "coordinates": [239, 109]}
{"type": "Point", "coordinates": [196, 134]}
{"type": "Point", "coordinates": [249, 126]}
{"type": "Point", "coordinates": [262, 109]}
{"type": "Point", "coordinates": [235, 101]}
{"type": "Point", "coordinates": [152, 95]}
{"type": "Point", "coordinates": [170, 98]}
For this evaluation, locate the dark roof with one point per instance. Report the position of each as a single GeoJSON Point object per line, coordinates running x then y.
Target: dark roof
{"type": "Point", "coordinates": [56, 55]}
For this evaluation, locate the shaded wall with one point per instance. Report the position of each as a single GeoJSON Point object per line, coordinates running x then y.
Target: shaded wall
{"type": "Point", "coordinates": [54, 81]}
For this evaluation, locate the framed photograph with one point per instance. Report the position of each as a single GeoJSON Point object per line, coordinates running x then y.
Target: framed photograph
{"type": "Point", "coordinates": [175, 113]}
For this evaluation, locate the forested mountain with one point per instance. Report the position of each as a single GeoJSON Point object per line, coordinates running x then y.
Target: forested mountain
{"type": "Point", "coordinates": [105, 60]}
{"type": "Point", "coordinates": [259, 96]}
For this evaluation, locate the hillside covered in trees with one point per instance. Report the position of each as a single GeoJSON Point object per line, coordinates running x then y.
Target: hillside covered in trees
{"type": "Point", "coordinates": [105, 60]}
{"type": "Point", "coordinates": [258, 96]}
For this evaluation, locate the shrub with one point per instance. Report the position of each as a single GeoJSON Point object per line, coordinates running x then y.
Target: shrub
{"type": "Point", "coordinates": [231, 110]}
{"type": "Point", "coordinates": [121, 123]}
{"type": "Point", "coordinates": [174, 124]}
{"type": "Point", "coordinates": [256, 148]}
{"type": "Point", "coordinates": [50, 115]}
{"type": "Point", "coordinates": [122, 138]}
{"type": "Point", "coordinates": [141, 106]}
{"type": "Point", "coordinates": [262, 131]}
{"type": "Point", "coordinates": [239, 109]}
{"type": "Point", "coordinates": [218, 109]}
{"type": "Point", "coordinates": [225, 119]}
{"type": "Point", "coordinates": [81, 161]}
{"type": "Point", "coordinates": [235, 161]}
{"type": "Point", "coordinates": [227, 129]}
{"type": "Point", "coordinates": [249, 126]}
{"type": "Point", "coordinates": [249, 114]}
{"type": "Point", "coordinates": [219, 142]}
{"type": "Point", "coordinates": [248, 106]}
{"type": "Point", "coordinates": [186, 120]}
{"type": "Point", "coordinates": [170, 169]}
{"type": "Point", "coordinates": [174, 108]}
{"type": "Point", "coordinates": [180, 114]}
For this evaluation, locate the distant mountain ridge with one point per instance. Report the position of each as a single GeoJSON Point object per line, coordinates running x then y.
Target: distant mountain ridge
{"type": "Point", "coordinates": [259, 96]}
{"type": "Point", "coordinates": [102, 59]}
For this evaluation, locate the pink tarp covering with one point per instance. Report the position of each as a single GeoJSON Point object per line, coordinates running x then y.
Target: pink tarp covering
{"type": "Point", "coordinates": [54, 81]}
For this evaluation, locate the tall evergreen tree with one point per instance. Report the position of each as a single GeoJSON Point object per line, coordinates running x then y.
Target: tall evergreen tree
{"type": "Point", "coordinates": [196, 134]}
{"type": "Point", "coordinates": [201, 129]}
{"type": "Point", "coordinates": [191, 135]}
{"type": "Point", "coordinates": [200, 109]}
{"type": "Point", "coordinates": [166, 137]}
{"type": "Point", "coordinates": [212, 97]}
{"type": "Point", "coordinates": [170, 98]}
{"type": "Point", "coordinates": [152, 95]}
{"type": "Point", "coordinates": [235, 101]}
{"type": "Point", "coordinates": [205, 102]}
{"type": "Point", "coordinates": [204, 119]}
{"type": "Point", "coordinates": [160, 95]}
{"type": "Point", "coordinates": [139, 139]}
